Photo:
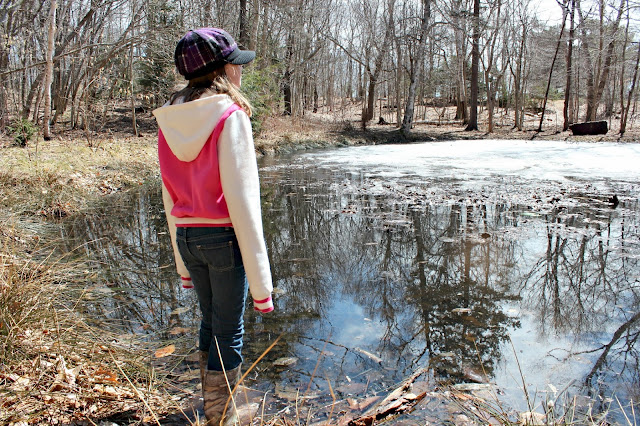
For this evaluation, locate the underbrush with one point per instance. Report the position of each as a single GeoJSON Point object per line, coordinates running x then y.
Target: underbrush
{"type": "Point", "coordinates": [56, 368]}
{"type": "Point", "coordinates": [482, 405]}
{"type": "Point", "coordinates": [59, 178]}
{"type": "Point", "coordinates": [561, 410]}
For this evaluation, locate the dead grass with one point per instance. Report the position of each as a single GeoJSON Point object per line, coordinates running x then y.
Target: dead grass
{"type": "Point", "coordinates": [55, 367]}
{"type": "Point", "coordinates": [56, 178]}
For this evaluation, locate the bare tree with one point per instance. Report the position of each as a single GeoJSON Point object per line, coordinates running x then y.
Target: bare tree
{"type": "Point", "coordinates": [553, 63]}
{"type": "Point", "coordinates": [567, 116]}
{"type": "Point", "coordinates": [416, 67]}
{"type": "Point", "coordinates": [598, 67]}
{"type": "Point", "coordinates": [48, 75]}
{"type": "Point", "coordinates": [374, 72]}
{"type": "Point", "coordinates": [494, 79]}
{"type": "Point", "coordinates": [134, 122]}
{"type": "Point", "coordinates": [243, 35]}
{"type": "Point", "coordinates": [366, 48]}
{"type": "Point", "coordinates": [456, 13]}
{"type": "Point", "coordinates": [518, 67]}
{"type": "Point", "coordinates": [475, 60]}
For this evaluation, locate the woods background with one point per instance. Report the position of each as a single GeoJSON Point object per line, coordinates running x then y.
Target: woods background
{"type": "Point", "coordinates": [72, 63]}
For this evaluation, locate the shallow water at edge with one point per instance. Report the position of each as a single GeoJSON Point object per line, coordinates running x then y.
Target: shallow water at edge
{"type": "Point", "coordinates": [501, 261]}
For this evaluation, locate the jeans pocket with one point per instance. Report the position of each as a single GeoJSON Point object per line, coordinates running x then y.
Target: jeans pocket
{"type": "Point", "coordinates": [219, 256]}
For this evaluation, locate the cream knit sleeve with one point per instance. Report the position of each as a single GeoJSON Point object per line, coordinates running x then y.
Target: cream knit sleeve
{"type": "Point", "coordinates": [241, 188]}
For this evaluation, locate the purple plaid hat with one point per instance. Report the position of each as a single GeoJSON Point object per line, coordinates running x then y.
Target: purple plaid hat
{"type": "Point", "coordinates": [203, 50]}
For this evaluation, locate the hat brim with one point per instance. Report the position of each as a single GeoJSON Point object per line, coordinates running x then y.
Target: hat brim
{"type": "Point", "coordinates": [241, 57]}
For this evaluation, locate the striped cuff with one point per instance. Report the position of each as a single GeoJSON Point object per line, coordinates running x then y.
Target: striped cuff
{"type": "Point", "coordinates": [264, 306]}
{"type": "Point", "coordinates": [186, 282]}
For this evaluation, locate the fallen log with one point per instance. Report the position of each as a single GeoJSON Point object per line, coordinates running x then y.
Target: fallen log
{"type": "Point", "coordinates": [398, 401]}
{"type": "Point", "coordinates": [590, 128]}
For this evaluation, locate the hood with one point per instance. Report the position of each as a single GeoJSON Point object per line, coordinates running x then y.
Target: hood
{"type": "Point", "coordinates": [187, 126]}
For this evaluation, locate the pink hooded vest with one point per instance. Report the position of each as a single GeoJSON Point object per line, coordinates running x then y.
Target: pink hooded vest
{"type": "Point", "coordinates": [195, 186]}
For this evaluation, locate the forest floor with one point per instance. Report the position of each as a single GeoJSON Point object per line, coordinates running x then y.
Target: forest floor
{"type": "Point", "coordinates": [54, 367]}
{"type": "Point", "coordinates": [342, 127]}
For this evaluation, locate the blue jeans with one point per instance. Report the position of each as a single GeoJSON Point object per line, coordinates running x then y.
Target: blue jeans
{"type": "Point", "coordinates": [213, 259]}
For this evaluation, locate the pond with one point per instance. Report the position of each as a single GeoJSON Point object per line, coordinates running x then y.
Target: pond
{"type": "Point", "coordinates": [506, 262]}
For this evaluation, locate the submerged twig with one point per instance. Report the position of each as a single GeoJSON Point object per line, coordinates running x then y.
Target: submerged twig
{"type": "Point", "coordinates": [333, 397]}
{"type": "Point", "coordinates": [524, 385]}
{"type": "Point", "coordinates": [315, 369]}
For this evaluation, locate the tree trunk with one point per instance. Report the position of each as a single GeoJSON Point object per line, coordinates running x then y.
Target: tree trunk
{"type": "Point", "coordinates": [33, 91]}
{"type": "Point", "coordinates": [553, 63]}
{"type": "Point", "coordinates": [367, 114]}
{"type": "Point", "coordinates": [286, 91]}
{"type": "Point", "coordinates": [567, 120]}
{"type": "Point", "coordinates": [398, 75]}
{"type": "Point", "coordinates": [4, 93]}
{"type": "Point", "coordinates": [461, 53]}
{"type": "Point", "coordinates": [625, 111]}
{"type": "Point", "coordinates": [315, 98]}
{"type": "Point", "coordinates": [328, 99]}
{"type": "Point", "coordinates": [134, 122]}
{"type": "Point", "coordinates": [48, 76]}
{"type": "Point", "coordinates": [518, 80]}
{"type": "Point", "coordinates": [243, 37]}
{"type": "Point", "coordinates": [488, 73]}
{"type": "Point", "coordinates": [491, 110]}
{"type": "Point", "coordinates": [475, 59]}
{"type": "Point", "coordinates": [287, 77]}
{"type": "Point", "coordinates": [416, 69]}
{"type": "Point", "coordinates": [255, 20]}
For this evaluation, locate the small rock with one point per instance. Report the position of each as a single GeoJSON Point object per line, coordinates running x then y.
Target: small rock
{"type": "Point", "coordinates": [530, 418]}
{"type": "Point", "coordinates": [469, 387]}
{"type": "Point", "coordinates": [285, 361]}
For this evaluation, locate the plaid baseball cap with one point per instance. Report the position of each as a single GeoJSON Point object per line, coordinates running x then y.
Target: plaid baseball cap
{"type": "Point", "coordinates": [203, 50]}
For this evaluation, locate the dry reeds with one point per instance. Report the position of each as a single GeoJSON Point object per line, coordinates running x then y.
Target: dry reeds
{"type": "Point", "coordinates": [57, 368]}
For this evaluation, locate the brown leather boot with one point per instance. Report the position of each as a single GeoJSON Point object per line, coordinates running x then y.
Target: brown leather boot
{"type": "Point", "coordinates": [216, 394]}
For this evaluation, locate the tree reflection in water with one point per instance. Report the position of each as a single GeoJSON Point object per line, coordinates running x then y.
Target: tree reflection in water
{"type": "Point", "coordinates": [135, 288]}
{"type": "Point", "coordinates": [587, 284]}
{"type": "Point", "coordinates": [415, 274]}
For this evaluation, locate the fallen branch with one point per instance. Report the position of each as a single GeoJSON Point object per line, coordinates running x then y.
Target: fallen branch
{"type": "Point", "coordinates": [399, 401]}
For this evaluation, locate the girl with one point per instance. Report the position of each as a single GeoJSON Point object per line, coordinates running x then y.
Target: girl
{"type": "Point", "coordinates": [211, 194]}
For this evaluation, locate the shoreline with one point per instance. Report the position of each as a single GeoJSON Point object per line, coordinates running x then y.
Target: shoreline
{"type": "Point", "coordinates": [272, 144]}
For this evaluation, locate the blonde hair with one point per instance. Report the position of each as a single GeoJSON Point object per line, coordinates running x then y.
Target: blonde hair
{"type": "Point", "coordinates": [216, 82]}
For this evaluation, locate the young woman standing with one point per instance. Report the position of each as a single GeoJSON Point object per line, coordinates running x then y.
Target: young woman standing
{"type": "Point", "coordinates": [211, 194]}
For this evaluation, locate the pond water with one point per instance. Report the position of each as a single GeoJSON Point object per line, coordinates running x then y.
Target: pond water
{"type": "Point", "coordinates": [509, 262]}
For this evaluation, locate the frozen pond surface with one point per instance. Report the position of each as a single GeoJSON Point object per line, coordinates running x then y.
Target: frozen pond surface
{"type": "Point", "coordinates": [465, 257]}
{"type": "Point", "coordinates": [477, 160]}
